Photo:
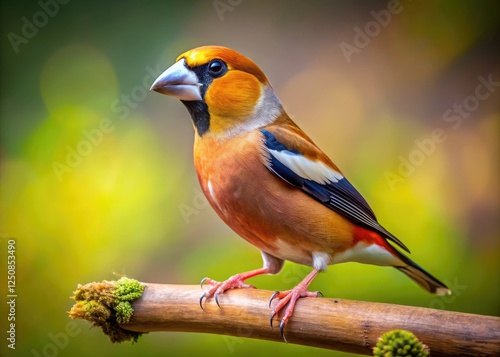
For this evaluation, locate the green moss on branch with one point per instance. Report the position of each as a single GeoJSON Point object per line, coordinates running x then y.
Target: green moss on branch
{"type": "Point", "coordinates": [400, 343]}
{"type": "Point", "coordinates": [107, 304]}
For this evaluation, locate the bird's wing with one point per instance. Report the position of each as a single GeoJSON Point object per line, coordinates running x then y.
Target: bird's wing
{"type": "Point", "coordinates": [296, 160]}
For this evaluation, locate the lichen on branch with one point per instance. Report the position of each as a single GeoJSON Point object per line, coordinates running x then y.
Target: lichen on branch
{"type": "Point", "coordinates": [107, 304]}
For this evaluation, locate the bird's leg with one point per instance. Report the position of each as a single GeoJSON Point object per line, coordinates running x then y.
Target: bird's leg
{"type": "Point", "coordinates": [236, 281]}
{"type": "Point", "coordinates": [290, 297]}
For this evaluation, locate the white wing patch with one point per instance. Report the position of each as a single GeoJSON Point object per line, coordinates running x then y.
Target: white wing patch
{"type": "Point", "coordinates": [308, 169]}
{"type": "Point", "coordinates": [367, 254]}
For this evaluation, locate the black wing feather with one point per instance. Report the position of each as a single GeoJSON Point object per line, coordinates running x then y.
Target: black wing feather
{"type": "Point", "coordinates": [340, 196]}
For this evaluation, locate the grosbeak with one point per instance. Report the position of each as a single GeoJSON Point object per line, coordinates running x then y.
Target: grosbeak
{"type": "Point", "coordinates": [270, 183]}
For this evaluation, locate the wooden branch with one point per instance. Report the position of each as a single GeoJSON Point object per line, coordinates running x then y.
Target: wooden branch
{"type": "Point", "coordinates": [345, 325]}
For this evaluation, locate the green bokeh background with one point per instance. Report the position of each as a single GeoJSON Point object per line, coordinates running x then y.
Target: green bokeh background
{"type": "Point", "coordinates": [130, 203]}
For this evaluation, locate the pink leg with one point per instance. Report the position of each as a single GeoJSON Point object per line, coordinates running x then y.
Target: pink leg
{"type": "Point", "coordinates": [290, 297]}
{"type": "Point", "coordinates": [236, 281]}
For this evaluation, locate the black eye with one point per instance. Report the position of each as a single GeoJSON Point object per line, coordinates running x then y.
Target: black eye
{"type": "Point", "coordinates": [216, 67]}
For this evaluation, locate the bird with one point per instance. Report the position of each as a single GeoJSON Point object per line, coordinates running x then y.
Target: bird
{"type": "Point", "coordinates": [270, 183]}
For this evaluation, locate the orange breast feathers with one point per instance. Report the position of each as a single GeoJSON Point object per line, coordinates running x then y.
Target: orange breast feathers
{"type": "Point", "coordinates": [262, 208]}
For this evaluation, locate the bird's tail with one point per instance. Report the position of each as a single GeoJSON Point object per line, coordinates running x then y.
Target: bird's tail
{"type": "Point", "coordinates": [421, 277]}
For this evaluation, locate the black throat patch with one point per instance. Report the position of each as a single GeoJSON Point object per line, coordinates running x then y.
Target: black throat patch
{"type": "Point", "coordinates": [199, 114]}
{"type": "Point", "coordinates": [199, 109]}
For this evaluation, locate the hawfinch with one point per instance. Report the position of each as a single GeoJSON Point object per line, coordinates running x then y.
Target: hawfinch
{"type": "Point", "coordinates": [270, 183]}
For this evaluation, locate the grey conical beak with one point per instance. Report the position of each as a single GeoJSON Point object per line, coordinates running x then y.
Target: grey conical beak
{"type": "Point", "coordinates": [178, 81]}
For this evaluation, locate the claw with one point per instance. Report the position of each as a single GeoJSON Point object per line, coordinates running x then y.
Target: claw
{"type": "Point", "coordinates": [216, 297]}
{"type": "Point", "coordinates": [282, 332]}
{"type": "Point", "coordinates": [202, 281]}
{"type": "Point", "coordinates": [320, 293]}
{"type": "Point", "coordinates": [201, 301]}
{"type": "Point", "coordinates": [273, 314]}
{"type": "Point", "coordinates": [271, 319]}
{"type": "Point", "coordinates": [272, 298]}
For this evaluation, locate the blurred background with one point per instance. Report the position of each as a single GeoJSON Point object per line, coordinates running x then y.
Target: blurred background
{"type": "Point", "coordinates": [97, 177]}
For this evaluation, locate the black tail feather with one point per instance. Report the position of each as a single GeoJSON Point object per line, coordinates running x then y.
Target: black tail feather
{"type": "Point", "coordinates": [421, 277]}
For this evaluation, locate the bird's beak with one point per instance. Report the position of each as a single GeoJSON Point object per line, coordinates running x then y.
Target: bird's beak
{"type": "Point", "coordinates": [178, 81]}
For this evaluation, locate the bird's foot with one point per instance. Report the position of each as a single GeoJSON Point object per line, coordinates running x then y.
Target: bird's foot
{"type": "Point", "coordinates": [219, 287]}
{"type": "Point", "coordinates": [290, 297]}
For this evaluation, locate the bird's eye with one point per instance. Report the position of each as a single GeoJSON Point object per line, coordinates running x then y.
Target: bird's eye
{"type": "Point", "coordinates": [216, 67]}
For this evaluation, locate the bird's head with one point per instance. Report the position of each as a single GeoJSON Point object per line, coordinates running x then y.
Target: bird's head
{"type": "Point", "coordinates": [225, 92]}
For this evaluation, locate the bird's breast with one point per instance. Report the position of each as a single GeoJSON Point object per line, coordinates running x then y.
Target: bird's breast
{"type": "Point", "coordinates": [262, 208]}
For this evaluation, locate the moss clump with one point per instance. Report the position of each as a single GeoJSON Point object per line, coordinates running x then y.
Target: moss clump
{"type": "Point", "coordinates": [400, 343]}
{"type": "Point", "coordinates": [127, 290]}
{"type": "Point", "coordinates": [107, 304]}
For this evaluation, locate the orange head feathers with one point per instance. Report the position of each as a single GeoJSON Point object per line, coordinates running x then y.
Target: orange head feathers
{"type": "Point", "coordinates": [224, 91]}
{"type": "Point", "coordinates": [235, 61]}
